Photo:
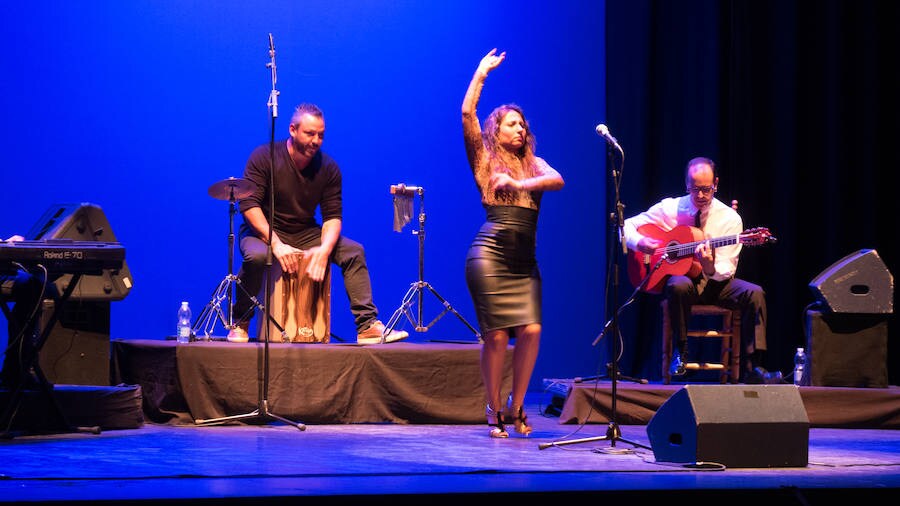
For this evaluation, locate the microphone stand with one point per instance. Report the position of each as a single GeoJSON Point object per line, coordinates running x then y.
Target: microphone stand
{"type": "Point", "coordinates": [613, 432]}
{"type": "Point", "coordinates": [262, 410]}
{"type": "Point", "coordinates": [611, 321]}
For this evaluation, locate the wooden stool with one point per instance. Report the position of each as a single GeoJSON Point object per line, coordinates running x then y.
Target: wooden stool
{"type": "Point", "coordinates": [729, 332]}
{"type": "Point", "coordinates": [301, 306]}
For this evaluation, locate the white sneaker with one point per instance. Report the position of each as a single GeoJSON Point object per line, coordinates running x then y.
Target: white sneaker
{"type": "Point", "coordinates": [373, 335]}
{"type": "Point", "coordinates": [238, 334]}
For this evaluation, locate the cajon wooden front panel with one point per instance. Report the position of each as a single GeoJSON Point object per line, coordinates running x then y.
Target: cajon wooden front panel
{"type": "Point", "coordinates": [301, 306]}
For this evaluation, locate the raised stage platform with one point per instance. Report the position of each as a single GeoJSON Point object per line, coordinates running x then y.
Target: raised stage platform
{"type": "Point", "coordinates": [826, 407]}
{"type": "Point", "coordinates": [405, 383]}
{"type": "Point", "coordinates": [308, 383]}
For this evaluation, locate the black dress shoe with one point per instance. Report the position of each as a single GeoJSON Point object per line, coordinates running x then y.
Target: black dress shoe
{"type": "Point", "coordinates": [760, 376]}
{"type": "Point", "coordinates": [754, 376]}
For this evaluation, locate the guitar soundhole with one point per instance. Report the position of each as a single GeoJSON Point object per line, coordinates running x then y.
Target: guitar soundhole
{"type": "Point", "coordinates": [672, 250]}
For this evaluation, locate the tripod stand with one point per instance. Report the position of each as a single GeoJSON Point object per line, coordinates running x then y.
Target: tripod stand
{"type": "Point", "coordinates": [613, 432]}
{"type": "Point", "coordinates": [609, 374]}
{"type": "Point", "coordinates": [229, 189]}
{"type": "Point", "coordinates": [262, 410]}
{"type": "Point", "coordinates": [416, 290]}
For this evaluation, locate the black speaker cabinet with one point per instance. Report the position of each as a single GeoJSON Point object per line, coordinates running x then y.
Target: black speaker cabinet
{"type": "Point", "coordinates": [84, 222]}
{"type": "Point", "coordinates": [857, 283]}
{"type": "Point", "coordinates": [733, 425]}
{"type": "Point", "coordinates": [847, 350]}
{"type": "Point", "coordinates": [77, 350]}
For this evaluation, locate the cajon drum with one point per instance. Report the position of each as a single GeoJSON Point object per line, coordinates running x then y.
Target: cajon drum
{"type": "Point", "coordinates": [301, 306]}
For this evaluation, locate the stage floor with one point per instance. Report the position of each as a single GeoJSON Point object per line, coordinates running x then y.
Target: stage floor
{"type": "Point", "coordinates": [385, 463]}
{"type": "Point", "coordinates": [416, 435]}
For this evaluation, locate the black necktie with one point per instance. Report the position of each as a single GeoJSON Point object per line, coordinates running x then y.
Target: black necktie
{"type": "Point", "coordinates": [697, 220]}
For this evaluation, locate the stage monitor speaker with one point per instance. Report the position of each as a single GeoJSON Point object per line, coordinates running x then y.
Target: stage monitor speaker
{"type": "Point", "coordinates": [84, 222]}
{"type": "Point", "coordinates": [857, 283]}
{"type": "Point", "coordinates": [732, 425]}
{"type": "Point", "coordinates": [847, 350]}
{"type": "Point", "coordinates": [77, 350]}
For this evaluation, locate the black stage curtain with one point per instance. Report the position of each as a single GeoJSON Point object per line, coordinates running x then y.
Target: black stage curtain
{"type": "Point", "coordinates": [796, 102]}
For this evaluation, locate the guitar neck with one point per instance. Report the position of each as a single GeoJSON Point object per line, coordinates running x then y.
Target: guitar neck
{"type": "Point", "coordinates": [687, 249]}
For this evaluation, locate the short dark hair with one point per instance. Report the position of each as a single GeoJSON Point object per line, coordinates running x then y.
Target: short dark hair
{"type": "Point", "coordinates": [306, 108]}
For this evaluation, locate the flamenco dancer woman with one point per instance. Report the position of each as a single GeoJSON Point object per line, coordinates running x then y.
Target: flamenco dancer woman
{"type": "Point", "coordinates": [501, 268]}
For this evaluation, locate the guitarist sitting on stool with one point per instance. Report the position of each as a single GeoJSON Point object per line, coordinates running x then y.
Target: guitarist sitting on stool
{"type": "Point", "coordinates": [706, 274]}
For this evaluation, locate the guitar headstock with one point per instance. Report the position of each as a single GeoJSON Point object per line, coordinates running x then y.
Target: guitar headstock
{"type": "Point", "coordinates": [757, 236]}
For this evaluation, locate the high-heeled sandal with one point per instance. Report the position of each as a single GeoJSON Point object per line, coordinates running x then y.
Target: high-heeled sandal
{"type": "Point", "coordinates": [516, 415]}
{"type": "Point", "coordinates": [495, 422]}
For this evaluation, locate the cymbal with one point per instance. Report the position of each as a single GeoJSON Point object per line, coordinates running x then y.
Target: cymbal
{"type": "Point", "coordinates": [223, 189]}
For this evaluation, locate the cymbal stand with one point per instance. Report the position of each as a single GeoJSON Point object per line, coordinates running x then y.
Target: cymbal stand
{"type": "Point", "coordinates": [262, 410]}
{"type": "Point", "coordinates": [416, 289]}
{"type": "Point", "coordinates": [613, 432]}
{"type": "Point", "coordinates": [212, 312]}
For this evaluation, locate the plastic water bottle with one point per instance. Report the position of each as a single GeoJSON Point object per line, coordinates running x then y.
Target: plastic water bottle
{"type": "Point", "coordinates": [183, 328]}
{"type": "Point", "coordinates": [801, 368]}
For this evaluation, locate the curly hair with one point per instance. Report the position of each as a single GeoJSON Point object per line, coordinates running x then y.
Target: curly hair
{"type": "Point", "coordinates": [491, 129]}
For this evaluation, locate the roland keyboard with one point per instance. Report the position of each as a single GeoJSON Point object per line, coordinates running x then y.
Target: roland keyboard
{"type": "Point", "coordinates": [62, 256]}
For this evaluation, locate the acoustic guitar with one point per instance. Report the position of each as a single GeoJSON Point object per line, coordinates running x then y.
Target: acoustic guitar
{"type": "Point", "coordinates": [680, 243]}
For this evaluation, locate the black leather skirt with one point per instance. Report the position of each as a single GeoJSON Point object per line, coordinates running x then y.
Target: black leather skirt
{"type": "Point", "coordinates": [501, 269]}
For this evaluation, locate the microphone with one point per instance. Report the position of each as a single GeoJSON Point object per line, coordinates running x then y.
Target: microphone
{"type": "Point", "coordinates": [603, 131]}
{"type": "Point", "coordinates": [271, 47]}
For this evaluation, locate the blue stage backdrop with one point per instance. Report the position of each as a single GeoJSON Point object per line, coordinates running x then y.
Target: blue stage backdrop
{"type": "Point", "coordinates": [140, 106]}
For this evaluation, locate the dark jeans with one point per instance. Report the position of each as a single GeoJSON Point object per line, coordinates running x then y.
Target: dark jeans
{"type": "Point", "coordinates": [349, 255]}
{"type": "Point", "coordinates": [682, 292]}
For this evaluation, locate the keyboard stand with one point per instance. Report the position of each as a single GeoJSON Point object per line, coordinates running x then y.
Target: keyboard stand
{"type": "Point", "coordinates": [31, 364]}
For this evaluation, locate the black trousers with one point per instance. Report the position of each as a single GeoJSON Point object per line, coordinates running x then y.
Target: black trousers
{"type": "Point", "coordinates": [682, 292]}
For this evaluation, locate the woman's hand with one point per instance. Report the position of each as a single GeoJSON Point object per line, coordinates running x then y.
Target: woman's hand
{"type": "Point", "coordinates": [491, 61]}
{"type": "Point", "coordinates": [503, 181]}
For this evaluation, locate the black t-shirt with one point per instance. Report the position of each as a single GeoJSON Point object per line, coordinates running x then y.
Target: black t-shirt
{"type": "Point", "coordinates": [297, 193]}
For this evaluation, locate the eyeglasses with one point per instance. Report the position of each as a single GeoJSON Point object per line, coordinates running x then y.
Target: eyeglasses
{"type": "Point", "coordinates": [701, 189]}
